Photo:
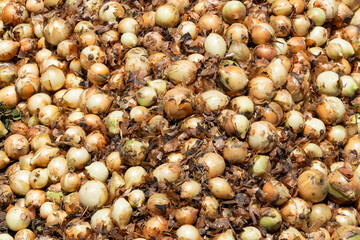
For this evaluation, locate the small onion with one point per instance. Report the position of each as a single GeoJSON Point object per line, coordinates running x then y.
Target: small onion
{"type": "Point", "coordinates": [97, 171]}
{"type": "Point", "coordinates": [8, 97]}
{"type": "Point", "coordinates": [186, 215]}
{"type": "Point", "coordinates": [93, 194]}
{"type": "Point", "coordinates": [77, 157]}
{"type": "Point", "coordinates": [18, 218]}
{"type": "Point", "coordinates": [178, 103]}
{"type": "Point", "coordinates": [331, 110]}
{"type": "Point", "coordinates": [250, 233]}
{"type": "Point", "coordinates": [39, 178]}
{"type": "Point", "coordinates": [167, 16]}
{"type": "Point", "coordinates": [111, 11]}
{"type": "Point", "coordinates": [158, 203]}
{"type": "Point", "coordinates": [99, 103]}
{"type": "Point", "coordinates": [121, 212]}
{"type": "Point", "coordinates": [215, 45]}
{"type": "Point", "coordinates": [167, 172]}
{"type": "Point", "coordinates": [24, 234]}
{"type": "Point", "coordinates": [47, 208]}
{"type": "Point", "coordinates": [296, 212]}
{"type": "Point", "coordinates": [101, 220]}
{"type": "Point", "coordinates": [190, 189]}
{"type": "Point", "coordinates": [313, 186]}
{"type": "Point", "coordinates": [261, 89]}
{"type": "Point", "coordinates": [213, 163]}
{"type": "Point", "coordinates": [70, 182]}
{"type": "Point", "coordinates": [136, 198]}
{"type": "Point", "coordinates": [154, 227]}
{"type": "Point", "coordinates": [220, 188]}
{"type": "Point", "coordinates": [56, 30]}
{"type": "Point", "coordinates": [262, 136]}
{"type": "Point", "coordinates": [188, 232]}
{"type": "Point", "coordinates": [182, 71]}
{"type": "Point", "coordinates": [233, 11]}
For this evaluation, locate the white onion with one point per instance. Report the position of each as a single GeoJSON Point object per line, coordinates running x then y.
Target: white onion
{"type": "Point", "coordinates": [93, 194]}
{"type": "Point", "coordinates": [18, 218]}
{"type": "Point", "coordinates": [121, 212]}
{"type": "Point", "coordinates": [101, 220]}
{"type": "Point", "coordinates": [98, 171]}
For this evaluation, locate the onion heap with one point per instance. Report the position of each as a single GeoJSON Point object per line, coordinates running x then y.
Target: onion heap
{"type": "Point", "coordinates": [179, 119]}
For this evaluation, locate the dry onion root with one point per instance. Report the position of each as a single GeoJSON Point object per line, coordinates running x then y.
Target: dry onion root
{"type": "Point", "coordinates": [180, 119]}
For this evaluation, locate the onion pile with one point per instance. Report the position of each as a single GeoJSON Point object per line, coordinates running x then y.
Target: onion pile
{"type": "Point", "coordinates": [179, 119]}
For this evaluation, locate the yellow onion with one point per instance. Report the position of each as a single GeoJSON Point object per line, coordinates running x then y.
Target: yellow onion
{"type": "Point", "coordinates": [154, 227]}
{"type": "Point", "coordinates": [167, 16]}
{"type": "Point", "coordinates": [97, 171]}
{"type": "Point", "coordinates": [14, 13]}
{"type": "Point", "coordinates": [250, 233]}
{"type": "Point", "coordinates": [93, 194]}
{"type": "Point", "coordinates": [186, 215]}
{"type": "Point", "coordinates": [90, 55]}
{"type": "Point", "coordinates": [111, 11]}
{"type": "Point", "coordinates": [101, 220]}
{"type": "Point", "coordinates": [213, 163]}
{"type": "Point", "coordinates": [56, 218]}
{"type": "Point", "coordinates": [210, 22]}
{"type": "Point", "coordinates": [18, 218]}
{"type": "Point", "coordinates": [178, 103]}
{"type": "Point", "coordinates": [56, 30]}
{"type": "Point", "coordinates": [344, 186]}
{"type": "Point", "coordinates": [262, 136]}
{"type": "Point", "coordinates": [188, 232]}
{"type": "Point", "coordinates": [296, 212]}
{"type": "Point", "coordinates": [182, 71]}
{"type": "Point", "coordinates": [77, 228]}
{"type": "Point", "coordinates": [276, 192]}
{"type": "Point", "coordinates": [315, 128]}
{"type": "Point", "coordinates": [77, 157]}
{"type": "Point", "coordinates": [24, 234]}
{"type": "Point", "coordinates": [313, 185]}
{"type": "Point", "coordinates": [121, 212]}
{"type": "Point", "coordinates": [190, 189]}
{"type": "Point", "coordinates": [233, 11]}
{"type": "Point", "coordinates": [331, 110]}
{"type": "Point", "coordinates": [167, 172]}
{"type": "Point", "coordinates": [215, 45]}
{"type": "Point", "coordinates": [8, 97]}
{"type": "Point", "coordinates": [220, 188]}
{"type": "Point", "coordinates": [136, 198]}
{"type": "Point", "coordinates": [16, 146]}
{"type": "Point", "coordinates": [158, 203]}
{"type": "Point", "coordinates": [213, 101]}
{"type": "Point", "coordinates": [234, 78]}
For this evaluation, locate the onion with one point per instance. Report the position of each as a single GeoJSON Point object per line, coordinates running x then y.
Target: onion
{"type": "Point", "coordinates": [101, 220]}
{"type": "Point", "coordinates": [90, 55]}
{"type": "Point", "coordinates": [158, 203]}
{"type": "Point", "coordinates": [167, 172]}
{"type": "Point", "coordinates": [296, 212]}
{"type": "Point", "coordinates": [313, 185]}
{"type": "Point", "coordinates": [47, 208]}
{"type": "Point", "coordinates": [233, 11]}
{"type": "Point", "coordinates": [234, 78]}
{"type": "Point", "coordinates": [77, 158]}
{"type": "Point", "coordinates": [93, 194]}
{"type": "Point", "coordinates": [39, 178]}
{"type": "Point", "coordinates": [261, 89]}
{"type": "Point", "coordinates": [186, 215]}
{"type": "Point", "coordinates": [330, 110]}
{"type": "Point", "coordinates": [70, 182]}
{"type": "Point", "coordinates": [270, 219]}
{"type": "Point", "coordinates": [5, 236]}
{"type": "Point", "coordinates": [18, 218]}
{"type": "Point", "coordinates": [188, 232]}
{"type": "Point", "coordinates": [215, 45]}
{"type": "Point", "coordinates": [213, 100]}
{"type": "Point", "coordinates": [167, 16]}
{"type": "Point", "coordinates": [182, 71]}
{"type": "Point", "coordinates": [6, 196]}
{"type": "Point", "coordinates": [261, 165]}
{"type": "Point", "coordinates": [315, 128]}
{"type": "Point", "coordinates": [77, 228]}
{"type": "Point", "coordinates": [154, 227]}
{"type": "Point", "coordinates": [178, 103]}
{"type": "Point", "coordinates": [121, 212]}
{"type": "Point", "coordinates": [24, 234]}
{"type": "Point", "coordinates": [14, 13]}
{"type": "Point", "coordinates": [220, 188]}
{"type": "Point", "coordinates": [97, 171]}
{"type": "Point", "coordinates": [43, 156]}
{"type": "Point", "coordinates": [276, 192]}
{"type": "Point", "coordinates": [347, 216]}
{"type": "Point", "coordinates": [35, 198]}
{"type": "Point", "coordinates": [8, 97]}
{"type": "Point", "coordinates": [136, 198]}
{"type": "Point", "coordinates": [190, 189]}
{"type": "Point", "coordinates": [262, 136]}
{"type": "Point", "coordinates": [56, 30]}
{"type": "Point", "coordinates": [56, 218]}
{"type": "Point", "coordinates": [214, 164]}
{"type": "Point", "coordinates": [210, 23]}
{"type": "Point", "coordinates": [111, 11]}
{"type": "Point", "coordinates": [71, 203]}
{"type": "Point", "coordinates": [250, 233]}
